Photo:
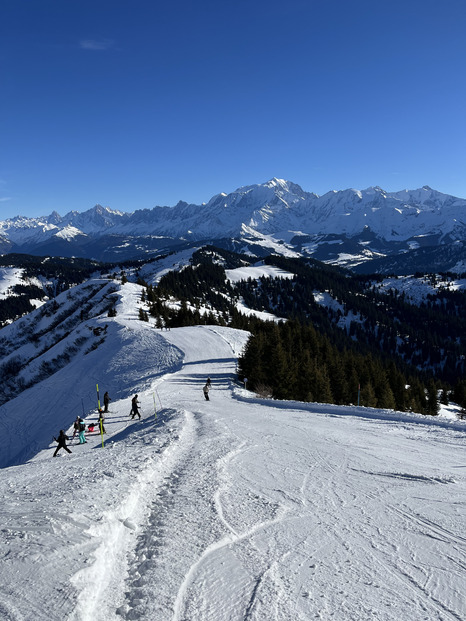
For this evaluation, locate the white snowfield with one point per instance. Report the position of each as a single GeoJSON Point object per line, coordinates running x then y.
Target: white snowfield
{"type": "Point", "coordinates": [224, 510]}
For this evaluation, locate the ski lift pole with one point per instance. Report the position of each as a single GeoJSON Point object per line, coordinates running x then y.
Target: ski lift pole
{"type": "Point", "coordinates": [359, 392]}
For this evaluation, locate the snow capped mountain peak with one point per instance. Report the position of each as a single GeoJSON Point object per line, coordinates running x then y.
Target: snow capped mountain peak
{"type": "Point", "coordinates": [275, 208]}
{"type": "Point", "coordinates": [54, 218]}
{"type": "Point", "coordinates": [98, 209]}
{"type": "Point", "coordinates": [68, 233]}
{"type": "Point", "coordinates": [277, 183]}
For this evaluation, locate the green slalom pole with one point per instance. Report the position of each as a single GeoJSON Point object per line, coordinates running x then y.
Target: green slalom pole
{"type": "Point", "coordinates": [101, 425]}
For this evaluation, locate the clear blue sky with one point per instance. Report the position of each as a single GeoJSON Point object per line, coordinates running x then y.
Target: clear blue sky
{"type": "Point", "coordinates": [137, 103]}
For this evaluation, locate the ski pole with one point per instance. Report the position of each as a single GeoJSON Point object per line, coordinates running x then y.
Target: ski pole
{"type": "Point", "coordinates": [155, 409]}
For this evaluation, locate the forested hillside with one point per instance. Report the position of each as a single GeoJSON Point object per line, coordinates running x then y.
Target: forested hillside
{"type": "Point", "coordinates": [42, 278]}
{"type": "Point", "coordinates": [365, 337]}
{"type": "Point", "coordinates": [332, 336]}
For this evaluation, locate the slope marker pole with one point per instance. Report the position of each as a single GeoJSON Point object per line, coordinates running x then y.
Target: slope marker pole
{"type": "Point", "coordinates": [159, 398]}
{"type": "Point", "coordinates": [101, 425]}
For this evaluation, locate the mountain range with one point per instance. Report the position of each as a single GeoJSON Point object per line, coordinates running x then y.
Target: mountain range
{"type": "Point", "coordinates": [366, 230]}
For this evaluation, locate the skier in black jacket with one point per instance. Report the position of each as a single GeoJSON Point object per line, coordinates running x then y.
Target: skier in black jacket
{"type": "Point", "coordinates": [62, 438]}
{"type": "Point", "coordinates": [135, 407]}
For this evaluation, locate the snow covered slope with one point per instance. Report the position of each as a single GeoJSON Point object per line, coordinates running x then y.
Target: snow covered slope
{"type": "Point", "coordinates": [226, 510]}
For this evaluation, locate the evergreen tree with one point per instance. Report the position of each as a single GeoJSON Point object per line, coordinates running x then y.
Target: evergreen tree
{"type": "Point", "coordinates": [432, 407]}
{"type": "Point", "coordinates": [368, 396]}
{"type": "Point", "coordinates": [383, 391]}
{"type": "Point", "coordinates": [323, 389]}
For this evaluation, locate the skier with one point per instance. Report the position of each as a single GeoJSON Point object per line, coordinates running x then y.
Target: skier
{"type": "Point", "coordinates": [76, 426]}
{"type": "Point", "coordinates": [101, 420]}
{"type": "Point", "coordinates": [206, 392]}
{"type": "Point", "coordinates": [134, 407]}
{"type": "Point", "coordinates": [82, 429]}
{"type": "Point", "coordinates": [106, 401]}
{"type": "Point", "coordinates": [62, 438]}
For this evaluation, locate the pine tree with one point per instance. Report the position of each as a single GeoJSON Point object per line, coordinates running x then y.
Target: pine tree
{"type": "Point", "coordinates": [432, 399]}
{"type": "Point", "coordinates": [383, 391]}
{"type": "Point", "coordinates": [275, 364]}
{"type": "Point", "coordinates": [338, 381]}
{"type": "Point", "coordinates": [323, 390]}
{"type": "Point", "coordinates": [368, 396]}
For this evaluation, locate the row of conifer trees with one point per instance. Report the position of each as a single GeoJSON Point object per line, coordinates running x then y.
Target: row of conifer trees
{"type": "Point", "coordinates": [291, 360]}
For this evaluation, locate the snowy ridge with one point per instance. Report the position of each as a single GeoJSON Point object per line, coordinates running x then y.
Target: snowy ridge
{"type": "Point", "coordinates": [234, 509]}
{"type": "Point", "coordinates": [268, 208]}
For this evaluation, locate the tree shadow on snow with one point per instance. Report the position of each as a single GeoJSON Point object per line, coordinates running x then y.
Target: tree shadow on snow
{"type": "Point", "coordinates": [200, 378]}
{"type": "Point", "coordinates": [210, 361]}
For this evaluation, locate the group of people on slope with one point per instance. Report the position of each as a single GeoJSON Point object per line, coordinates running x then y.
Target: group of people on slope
{"type": "Point", "coordinates": [80, 427]}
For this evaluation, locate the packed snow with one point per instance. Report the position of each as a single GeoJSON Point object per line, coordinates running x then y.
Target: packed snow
{"type": "Point", "coordinates": [232, 509]}
{"type": "Point", "coordinates": [9, 277]}
{"type": "Point", "coordinates": [255, 272]}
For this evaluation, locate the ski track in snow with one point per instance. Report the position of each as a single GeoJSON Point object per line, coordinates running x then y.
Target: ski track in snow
{"type": "Point", "coordinates": [234, 509]}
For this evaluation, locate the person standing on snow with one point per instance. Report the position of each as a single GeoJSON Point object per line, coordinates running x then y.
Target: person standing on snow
{"type": "Point", "coordinates": [106, 402]}
{"type": "Point", "coordinates": [101, 420]}
{"type": "Point", "coordinates": [82, 429]}
{"type": "Point", "coordinates": [206, 391]}
{"type": "Point", "coordinates": [76, 426]}
{"type": "Point", "coordinates": [134, 407]}
{"type": "Point", "coordinates": [62, 438]}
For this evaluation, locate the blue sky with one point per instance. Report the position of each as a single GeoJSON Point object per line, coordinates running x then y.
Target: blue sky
{"type": "Point", "coordinates": [137, 103]}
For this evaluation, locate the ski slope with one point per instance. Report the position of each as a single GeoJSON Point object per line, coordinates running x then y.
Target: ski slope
{"type": "Point", "coordinates": [228, 510]}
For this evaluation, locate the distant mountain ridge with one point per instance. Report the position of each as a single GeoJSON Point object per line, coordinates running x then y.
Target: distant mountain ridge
{"type": "Point", "coordinates": [349, 227]}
